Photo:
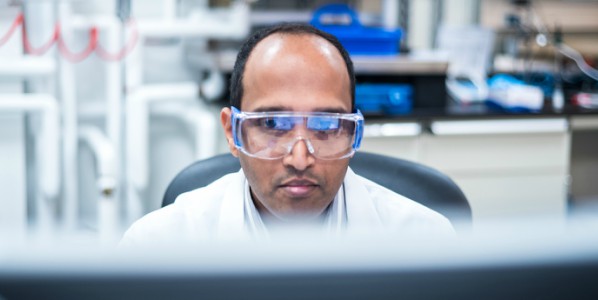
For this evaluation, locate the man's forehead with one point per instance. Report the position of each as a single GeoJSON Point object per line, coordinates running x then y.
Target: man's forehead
{"type": "Point", "coordinates": [317, 109]}
{"type": "Point", "coordinates": [281, 44]}
{"type": "Point", "coordinates": [287, 67]}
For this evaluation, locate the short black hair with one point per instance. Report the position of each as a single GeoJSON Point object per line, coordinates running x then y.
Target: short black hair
{"type": "Point", "coordinates": [236, 83]}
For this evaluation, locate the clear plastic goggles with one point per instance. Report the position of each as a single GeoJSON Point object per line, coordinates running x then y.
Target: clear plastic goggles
{"type": "Point", "coordinates": [272, 135]}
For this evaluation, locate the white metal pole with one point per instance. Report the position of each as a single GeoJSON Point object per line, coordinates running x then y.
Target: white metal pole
{"type": "Point", "coordinates": [107, 184]}
{"type": "Point", "coordinates": [421, 31]}
{"type": "Point", "coordinates": [39, 22]}
{"type": "Point", "coordinates": [67, 85]}
{"type": "Point", "coordinates": [390, 13]}
{"type": "Point", "coordinates": [114, 104]}
{"type": "Point", "coordinates": [199, 121]}
{"type": "Point", "coordinates": [46, 152]}
{"type": "Point", "coordinates": [460, 12]}
{"type": "Point", "coordinates": [26, 67]}
{"type": "Point", "coordinates": [205, 127]}
{"type": "Point", "coordinates": [137, 135]}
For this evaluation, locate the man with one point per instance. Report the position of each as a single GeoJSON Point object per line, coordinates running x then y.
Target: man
{"type": "Point", "coordinates": [293, 126]}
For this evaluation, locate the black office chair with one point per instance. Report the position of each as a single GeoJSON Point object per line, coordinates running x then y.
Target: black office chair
{"type": "Point", "coordinates": [410, 179]}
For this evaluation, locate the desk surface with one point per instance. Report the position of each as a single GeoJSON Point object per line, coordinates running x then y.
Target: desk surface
{"type": "Point", "coordinates": [478, 111]}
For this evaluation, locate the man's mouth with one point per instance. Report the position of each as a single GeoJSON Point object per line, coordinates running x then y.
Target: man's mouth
{"type": "Point", "coordinates": [299, 187]}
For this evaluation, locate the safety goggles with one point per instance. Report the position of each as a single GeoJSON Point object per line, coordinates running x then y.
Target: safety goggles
{"type": "Point", "coordinates": [272, 135]}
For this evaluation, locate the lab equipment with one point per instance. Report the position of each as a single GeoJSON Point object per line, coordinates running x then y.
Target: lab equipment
{"type": "Point", "coordinates": [388, 99]}
{"type": "Point", "coordinates": [341, 21]}
{"type": "Point", "coordinates": [586, 100]}
{"type": "Point", "coordinates": [513, 94]}
{"type": "Point", "coordinates": [469, 50]}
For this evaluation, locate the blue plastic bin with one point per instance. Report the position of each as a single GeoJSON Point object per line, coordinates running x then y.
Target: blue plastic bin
{"type": "Point", "coordinates": [384, 99]}
{"type": "Point", "coordinates": [341, 21]}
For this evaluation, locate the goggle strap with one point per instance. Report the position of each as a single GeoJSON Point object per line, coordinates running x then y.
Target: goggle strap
{"type": "Point", "coordinates": [358, 135]}
{"type": "Point", "coordinates": [234, 118]}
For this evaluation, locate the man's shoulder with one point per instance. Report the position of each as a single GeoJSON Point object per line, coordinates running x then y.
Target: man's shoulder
{"type": "Point", "coordinates": [191, 214]}
{"type": "Point", "coordinates": [197, 202]}
{"type": "Point", "coordinates": [206, 196]}
{"type": "Point", "coordinates": [396, 210]}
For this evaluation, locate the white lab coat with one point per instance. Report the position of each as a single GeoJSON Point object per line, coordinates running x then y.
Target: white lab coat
{"type": "Point", "coordinates": [217, 212]}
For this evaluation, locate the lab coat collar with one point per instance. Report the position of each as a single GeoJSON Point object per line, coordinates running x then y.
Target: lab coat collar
{"type": "Point", "coordinates": [231, 219]}
{"type": "Point", "coordinates": [361, 210]}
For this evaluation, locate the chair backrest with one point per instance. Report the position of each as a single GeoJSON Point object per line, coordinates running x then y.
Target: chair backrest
{"type": "Point", "coordinates": [410, 179]}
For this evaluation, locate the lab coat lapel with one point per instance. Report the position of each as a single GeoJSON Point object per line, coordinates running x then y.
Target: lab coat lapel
{"type": "Point", "coordinates": [361, 211]}
{"type": "Point", "coordinates": [231, 217]}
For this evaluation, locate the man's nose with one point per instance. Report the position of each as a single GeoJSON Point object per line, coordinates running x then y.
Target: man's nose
{"type": "Point", "coordinates": [299, 158]}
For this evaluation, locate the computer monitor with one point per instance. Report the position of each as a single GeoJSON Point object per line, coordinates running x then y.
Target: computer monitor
{"type": "Point", "coordinates": [517, 266]}
{"type": "Point", "coordinates": [570, 280]}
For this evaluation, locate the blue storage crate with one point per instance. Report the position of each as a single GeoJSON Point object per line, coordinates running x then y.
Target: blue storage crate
{"type": "Point", "coordinates": [341, 21]}
{"type": "Point", "coordinates": [387, 99]}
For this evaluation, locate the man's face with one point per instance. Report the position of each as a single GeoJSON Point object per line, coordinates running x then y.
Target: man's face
{"type": "Point", "coordinates": [299, 73]}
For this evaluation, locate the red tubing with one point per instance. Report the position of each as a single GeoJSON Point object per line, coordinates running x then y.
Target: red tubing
{"type": "Point", "coordinates": [78, 57]}
{"type": "Point", "coordinates": [18, 21]}
{"type": "Point", "coordinates": [93, 44]}
{"type": "Point", "coordinates": [105, 55]}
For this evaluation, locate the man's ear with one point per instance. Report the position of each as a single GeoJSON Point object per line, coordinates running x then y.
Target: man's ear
{"type": "Point", "coordinates": [225, 120]}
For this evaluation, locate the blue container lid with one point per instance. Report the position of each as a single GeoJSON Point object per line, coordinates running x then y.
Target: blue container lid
{"type": "Point", "coordinates": [343, 22]}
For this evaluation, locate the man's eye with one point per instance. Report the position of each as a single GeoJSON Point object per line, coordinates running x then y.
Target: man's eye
{"type": "Point", "coordinates": [276, 124]}
{"type": "Point", "coordinates": [270, 123]}
{"type": "Point", "coordinates": [323, 134]}
{"type": "Point", "coordinates": [323, 124]}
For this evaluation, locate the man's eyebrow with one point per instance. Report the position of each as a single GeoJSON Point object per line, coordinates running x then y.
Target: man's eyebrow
{"type": "Point", "coordinates": [270, 108]}
{"type": "Point", "coordinates": [284, 108]}
{"type": "Point", "coordinates": [333, 110]}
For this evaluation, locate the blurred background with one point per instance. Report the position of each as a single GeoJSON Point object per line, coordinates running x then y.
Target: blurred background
{"type": "Point", "coordinates": [103, 102]}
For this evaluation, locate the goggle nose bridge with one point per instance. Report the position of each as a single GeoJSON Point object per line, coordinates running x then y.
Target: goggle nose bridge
{"type": "Point", "coordinates": [289, 147]}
